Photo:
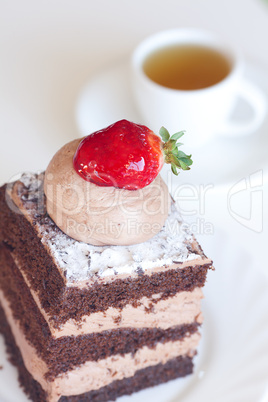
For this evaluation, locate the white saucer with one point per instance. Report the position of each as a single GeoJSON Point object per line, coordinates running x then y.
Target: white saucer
{"type": "Point", "coordinates": [222, 162]}
{"type": "Point", "coordinates": [232, 363]}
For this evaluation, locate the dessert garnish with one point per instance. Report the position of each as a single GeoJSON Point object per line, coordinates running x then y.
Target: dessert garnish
{"type": "Point", "coordinates": [106, 190]}
{"type": "Point", "coordinates": [96, 321]}
{"type": "Point", "coordinates": [128, 155]}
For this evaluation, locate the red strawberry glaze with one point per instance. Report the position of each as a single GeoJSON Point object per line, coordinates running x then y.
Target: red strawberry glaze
{"type": "Point", "coordinates": [124, 155]}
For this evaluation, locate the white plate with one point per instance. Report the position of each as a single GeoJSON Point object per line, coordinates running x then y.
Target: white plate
{"type": "Point", "coordinates": [232, 364]}
{"type": "Point", "coordinates": [107, 98]}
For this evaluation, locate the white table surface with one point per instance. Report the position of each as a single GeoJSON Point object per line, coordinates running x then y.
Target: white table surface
{"type": "Point", "coordinates": [50, 49]}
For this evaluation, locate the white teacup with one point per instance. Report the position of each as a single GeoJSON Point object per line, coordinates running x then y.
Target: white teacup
{"type": "Point", "coordinates": [204, 113]}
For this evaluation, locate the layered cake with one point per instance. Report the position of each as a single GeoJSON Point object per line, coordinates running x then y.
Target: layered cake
{"type": "Point", "coordinates": [97, 300]}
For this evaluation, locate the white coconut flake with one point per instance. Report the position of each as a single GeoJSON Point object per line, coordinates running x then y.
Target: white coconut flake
{"type": "Point", "coordinates": [80, 261]}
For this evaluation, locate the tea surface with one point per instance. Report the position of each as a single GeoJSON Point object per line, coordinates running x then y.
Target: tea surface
{"type": "Point", "coordinates": [187, 67]}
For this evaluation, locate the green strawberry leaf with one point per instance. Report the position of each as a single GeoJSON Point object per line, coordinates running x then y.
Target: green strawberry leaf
{"type": "Point", "coordinates": [174, 170]}
{"type": "Point", "coordinates": [176, 162]}
{"type": "Point", "coordinates": [184, 166]}
{"type": "Point", "coordinates": [172, 144]}
{"type": "Point", "coordinates": [175, 151]}
{"type": "Point", "coordinates": [164, 134]}
{"type": "Point", "coordinates": [181, 154]}
{"type": "Point", "coordinates": [178, 135]}
{"type": "Point", "coordinates": [188, 162]}
{"type": "Point", "coordinates": [177, 158]}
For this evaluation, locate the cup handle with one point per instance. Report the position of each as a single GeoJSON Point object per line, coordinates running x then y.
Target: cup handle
{"type": "Point", "coordinates": [256, 98]}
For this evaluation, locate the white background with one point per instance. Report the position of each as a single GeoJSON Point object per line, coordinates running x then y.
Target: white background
{"type": "Point", "coordinates": [50, 49]}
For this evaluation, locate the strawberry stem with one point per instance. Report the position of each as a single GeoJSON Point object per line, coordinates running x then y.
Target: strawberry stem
{"type": "Point", "coordinates": [178, 159]}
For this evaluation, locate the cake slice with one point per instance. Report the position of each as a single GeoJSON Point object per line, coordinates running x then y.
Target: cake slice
{"type": "Point", "coordinates": [91, 323]}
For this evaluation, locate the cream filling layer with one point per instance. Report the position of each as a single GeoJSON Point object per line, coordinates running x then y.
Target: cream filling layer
{"type": "Point", "coordinates": [183, 308]}
{"type": "Point", "coordinates": [94, 375]}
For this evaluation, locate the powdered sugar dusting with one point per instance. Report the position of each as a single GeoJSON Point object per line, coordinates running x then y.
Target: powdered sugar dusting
{"type": "Point", "coordinates": [80, 261]}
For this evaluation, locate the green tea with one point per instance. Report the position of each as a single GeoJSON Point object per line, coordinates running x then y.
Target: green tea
{"type": "Point", "coordinates": [187, 67]}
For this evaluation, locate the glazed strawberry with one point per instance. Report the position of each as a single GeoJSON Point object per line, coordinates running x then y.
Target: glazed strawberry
{"type": "Point", "coordinates": [127, 155]}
